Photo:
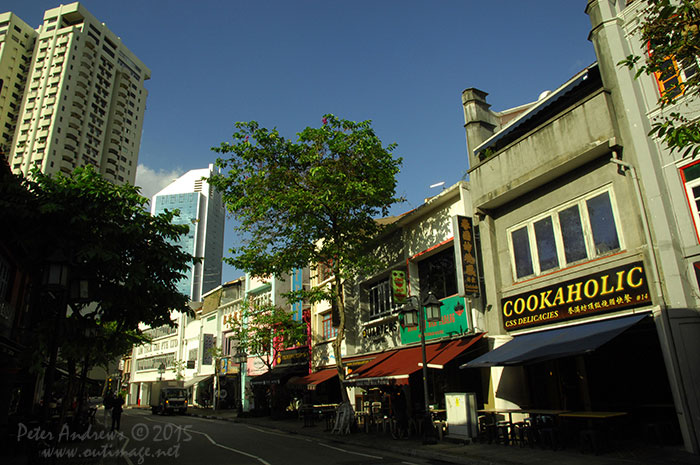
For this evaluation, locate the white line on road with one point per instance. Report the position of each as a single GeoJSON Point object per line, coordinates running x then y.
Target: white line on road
{"type": "Point", "coordinates": [267, 431]}
{"type": "Point", "coordinates": [350, 452]}
{"type": "Point", "coordinates": [259, 459]}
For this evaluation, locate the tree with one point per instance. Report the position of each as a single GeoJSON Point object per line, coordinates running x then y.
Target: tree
{"type": "Point", "coordinates": [309, 201]}
{"type": "Point", "coordinates": [266, 330]}
{"type": "Point", "coordinates": [179, 367]}
{"type": "Point", "coordinates": [129, 257]}
{"type": "Point", "coordinates": [670, 30]}
{"type": "Point", "coordinates": [109, 239]}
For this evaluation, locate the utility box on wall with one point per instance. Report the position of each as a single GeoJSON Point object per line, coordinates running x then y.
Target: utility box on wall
{"type": "Point", "coordinates": [462, 421]}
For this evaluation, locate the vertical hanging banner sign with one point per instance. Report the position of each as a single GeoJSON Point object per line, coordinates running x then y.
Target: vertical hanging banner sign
{"type": "Point", "coordinates": [466, 252]}
{"type": "Point", "coordinates": [399, 287]}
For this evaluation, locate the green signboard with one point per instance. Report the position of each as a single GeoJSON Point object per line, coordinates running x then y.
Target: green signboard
{"type": "Point", "coordinates": [453, 322]}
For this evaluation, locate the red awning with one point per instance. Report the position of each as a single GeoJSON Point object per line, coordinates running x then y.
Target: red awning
{"type": "Point", "coordinates": [314, 379]}
{"type": "Point", "coordinates": [396, 366]}
{"type": "Point", "coordinates": [446, 352]}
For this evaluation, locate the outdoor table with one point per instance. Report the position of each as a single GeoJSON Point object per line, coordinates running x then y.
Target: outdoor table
{"type": "Point", "coordinates": [596, 432]}
{"type": "Point", "coordinates": [531, 411]}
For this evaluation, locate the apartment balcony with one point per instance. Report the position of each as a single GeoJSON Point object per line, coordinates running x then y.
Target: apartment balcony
{"type": "Point", "coordinates": [74, 122]}
{"type": "Point", "coordinates": [73, 134]}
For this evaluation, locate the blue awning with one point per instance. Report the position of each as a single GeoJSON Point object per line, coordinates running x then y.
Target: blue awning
{"type": "Point", "coordinates": [555, 343]}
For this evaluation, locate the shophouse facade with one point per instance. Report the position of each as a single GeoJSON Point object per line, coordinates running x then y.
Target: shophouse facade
{"type": "Point", "coordinates": [429, 249]}
{"type": "Point", "coordinates": [264, 373]}
{"type": "Point", "coordinates": [668, 188]}
{"type": "Point", "coordinates": [573, 300]}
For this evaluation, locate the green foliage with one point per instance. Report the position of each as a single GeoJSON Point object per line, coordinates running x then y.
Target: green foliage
{"type": "Point", "coordinates": [309, 201]}
{"type": "Point", "coordinates": [306, 201]}
{"type": "Point", "coordinates": [265, 330]}
{"type": "Point", "coordinates": [179, 367]}
{"type": "Point", "coordinates": [671, 30]}
{"type": "Point", "coordinates": [108, 238]}
{"type": "Point", "coordinates": [114, 242]}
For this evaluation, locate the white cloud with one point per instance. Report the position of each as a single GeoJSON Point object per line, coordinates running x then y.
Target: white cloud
{"type": "Point", "coordinates": [152, 181]}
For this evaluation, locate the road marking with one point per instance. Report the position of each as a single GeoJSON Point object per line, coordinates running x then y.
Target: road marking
{"type": "Point", "coordinates": [351, 452]}
{"type": "Point", "coordinates": [259, 459]}
{"type": "Point", "coordinates": [268, 431]}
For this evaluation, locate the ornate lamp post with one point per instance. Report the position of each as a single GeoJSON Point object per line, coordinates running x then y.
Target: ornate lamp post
{"type": "Point", "coordinates": [240, 358]}
{"type": "Point", "coordinates": [416, 314]}
{"type": "Point", "coordinates": [55, 282]}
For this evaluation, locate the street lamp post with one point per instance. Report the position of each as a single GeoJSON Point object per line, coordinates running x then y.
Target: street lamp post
{"type": "Point", "coordinates": [55, 282]}
{"type": "Point", "coordinates": [161, 370]}
{"type": "Point", "coordinates": [417, 314]}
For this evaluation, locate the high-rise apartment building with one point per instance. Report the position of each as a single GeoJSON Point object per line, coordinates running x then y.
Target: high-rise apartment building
{"type": "Point", "coordinates": [82, 95]}
{"type": "Point", "coordinates": [17, 40]}
{"type": "Point", "coordinates": [201, 208]}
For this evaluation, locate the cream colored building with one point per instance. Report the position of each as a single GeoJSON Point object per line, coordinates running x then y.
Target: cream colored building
{"type": "Point", "coordinates": [83, 102]}
{"type": "Point", "coordinates": [17, 40]}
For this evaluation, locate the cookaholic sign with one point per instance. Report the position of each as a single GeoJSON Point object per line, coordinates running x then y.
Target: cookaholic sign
{"type": "Point", "coordinates": [606, 291]}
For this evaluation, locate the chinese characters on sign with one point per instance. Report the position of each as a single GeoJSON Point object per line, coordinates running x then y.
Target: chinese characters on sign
{"type": "Point", "coordinates": [467, 251]}
{"type": "Point", "coordinates": [611, 290]}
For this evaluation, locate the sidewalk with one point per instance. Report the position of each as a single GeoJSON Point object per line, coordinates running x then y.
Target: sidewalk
{"type": "Point", "coordinates": [471, 454]}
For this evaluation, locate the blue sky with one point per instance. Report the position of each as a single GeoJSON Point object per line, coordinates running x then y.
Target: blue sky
{"type": "Point", "coordinates": [400, 63]}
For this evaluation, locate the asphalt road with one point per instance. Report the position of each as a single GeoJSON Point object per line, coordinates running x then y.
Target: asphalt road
{"type": "Point", "coordinates": [152, 439]}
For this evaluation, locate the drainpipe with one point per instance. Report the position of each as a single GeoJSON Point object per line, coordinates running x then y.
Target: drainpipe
{"type": "Point", "coordinates": [645, 224]}
{"type": "Point", "coordinates": [663, 308]}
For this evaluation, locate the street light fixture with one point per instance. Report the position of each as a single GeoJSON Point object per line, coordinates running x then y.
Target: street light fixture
{"type": "Point", "coordinates": [416, 314]}
{"type": "Point", "coordinates": [161, 370]}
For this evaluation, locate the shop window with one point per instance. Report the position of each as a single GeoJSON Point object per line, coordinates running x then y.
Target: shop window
{"type": "Point", "coordinates": [437, 274]}
{"type": "Point", "coordinates": [580, 230]}
{"type": "Point", "coordinates": [329, 332]}
{"type": "Point", "coordinates": [381, 301]}
{"type": "Point", "coordinates": [691, 180]}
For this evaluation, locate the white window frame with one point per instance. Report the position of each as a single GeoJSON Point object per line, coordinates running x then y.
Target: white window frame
{"type": "Point", "coordinates": [384, 282]}
{"type": "Point", "coordinates": [688, 187]}
{"type": "Point", "coordinates": [558, 238]}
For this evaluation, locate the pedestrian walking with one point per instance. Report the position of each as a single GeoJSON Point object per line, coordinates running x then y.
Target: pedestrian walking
{"type": "Point", "coordinates": [107, 402]}
{"type": "Point", "coordinates": [117, 412]}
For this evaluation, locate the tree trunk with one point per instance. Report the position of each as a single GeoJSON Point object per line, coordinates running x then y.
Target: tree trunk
{"type": "Point", "coordinates": [345, 415]}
